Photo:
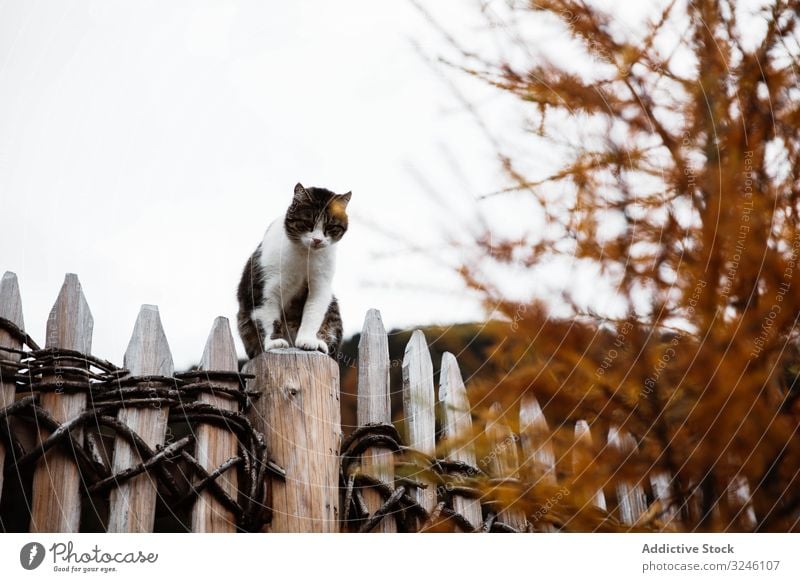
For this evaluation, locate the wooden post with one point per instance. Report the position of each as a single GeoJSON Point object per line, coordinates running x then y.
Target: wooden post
{"type": "Point", "coordinates": [739, 496]}
{"type": "Point", "coordinates": [537, 448]}
{"type": "Point", "coordinates": [10, 309]}
{"type": "Point", "coordinates": [133, 503]}
{"type": "Point", "coordinates": [631, 498]}
{"type": "Point", "coordinates": [216, 445]}
{"type": "Point", "coordinates": [457, 432]}
{"type": "Point", "coordinates": [56, 481]}
{"type": "Point", "coordinates": [419, 404]}
{"type": "Point", "coordinates": [661, 485]}
{"type": "Point", "coordinates": [581, 460]}
{"type": "Point", "coordinates": [374, 406]}
{"type": "Point", "coordinates": [504, 463]}
{"type": "Point", "coordinates": [299, 414]}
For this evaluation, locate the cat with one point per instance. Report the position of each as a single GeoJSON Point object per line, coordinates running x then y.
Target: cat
{"type": "Point", "coordinates": [285, 295]}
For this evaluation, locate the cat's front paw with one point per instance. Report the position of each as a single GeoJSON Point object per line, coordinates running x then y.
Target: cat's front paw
{"type": "Point", "coordinates": [275, 344]}
{"type": "Point", "coordinates": [311, 344]}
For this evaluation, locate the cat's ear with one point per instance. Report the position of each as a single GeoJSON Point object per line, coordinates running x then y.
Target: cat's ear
{"type": "Point", "coordinates": [300, 193]}
{"type": "Point", "coordinates": [345, 197]}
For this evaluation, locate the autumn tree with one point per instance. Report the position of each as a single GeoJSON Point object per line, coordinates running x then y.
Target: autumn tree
{"type": "Point", "coordinates": [679, 182]}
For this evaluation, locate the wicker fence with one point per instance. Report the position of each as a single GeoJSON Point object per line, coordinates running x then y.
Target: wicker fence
{"type": "Point", "coordinates": [89, 446]}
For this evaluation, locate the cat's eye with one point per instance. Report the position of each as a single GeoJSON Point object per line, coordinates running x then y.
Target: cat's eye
{"type": "Point", "coordinates": [335, 231]}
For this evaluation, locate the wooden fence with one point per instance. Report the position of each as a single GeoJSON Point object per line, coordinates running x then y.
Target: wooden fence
{"type": "Point", "coordinates": [89, 446]}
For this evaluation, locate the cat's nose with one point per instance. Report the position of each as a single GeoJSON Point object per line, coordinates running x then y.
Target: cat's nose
{"type": "Point", "coordinates": [316, 241]}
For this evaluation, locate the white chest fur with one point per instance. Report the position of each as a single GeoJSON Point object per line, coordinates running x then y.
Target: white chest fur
{"type": "Point", "coordinates": [287, 268]}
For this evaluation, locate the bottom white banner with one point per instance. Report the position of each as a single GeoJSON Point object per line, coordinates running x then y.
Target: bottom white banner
{"type": "Point", "coordinates": [200, 557]}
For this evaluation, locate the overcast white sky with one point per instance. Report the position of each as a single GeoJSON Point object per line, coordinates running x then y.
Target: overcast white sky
{"type": "Point", "coordinates": [147, 145]}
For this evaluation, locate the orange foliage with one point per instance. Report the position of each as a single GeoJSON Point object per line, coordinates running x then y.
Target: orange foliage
{"type": "Point", "coordinates": [698, 162]}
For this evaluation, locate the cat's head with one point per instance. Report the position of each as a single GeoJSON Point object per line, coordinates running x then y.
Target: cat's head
{"type": "Point", "coordinates": [317, 218]}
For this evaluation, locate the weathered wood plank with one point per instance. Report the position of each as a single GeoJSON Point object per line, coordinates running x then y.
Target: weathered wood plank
{"type": "Point", "coordinates": [10, 309]}
{"type": "Point", "coordinates": [740, 498]}
{"type": "Point", "coordinates": [419, 410]}
{"type": "Point", "coordinates": [539, 460]}
{"type": "Point", "coordinates": [457, 431]}
{"type": "Point", "coordinates": [374, 405]}
{"type": "Point", "coordinates": [216, 445]}
{"type": "Point", "coordinates": [581, 459]}
{"type": "Point", "coordinates": [631, 498]}
{"type": "Point", "coordinates": [56, 503]}
{"type": "Point", "coordinates": [504, 462]}
{"type": "Point", "coordinates": [537, 447]}
{"type": "Point", "coordinates": [299, 414]}
{"type": "Point", "coordinates": [133, 503]}
{"type": "Point", "coordinates": [661, 485]}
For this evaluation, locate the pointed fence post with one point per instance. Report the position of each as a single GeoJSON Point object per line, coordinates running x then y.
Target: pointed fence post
{"type": "Point", "coordinates": [10, 309]}
{"type": "Point", "coordinates": [739, 496]}
{"type": "Point", "coordinates": [374, 406]}
{"type": "Point", "coordinates": [661, 485]}
{"type": "Point", "coordinates": [299, 414]}
{"type": "Point", "coordinates": [537, 447]}
{"type": "Point", "coordinates": [133, 502]}
{"type": "Point", "coordinates": [216, 445]}
{"type": "Point", "coordinates": [56, 503]}
{"type": "Point", "coordinates": [504, 462]}
{"type": "Point", "coordinates": [457, 432]}
{"type": "Point", "coordinates": [631, 498]}
{"type": "Point", "coordinates": [419, 403]}
{"type": "Point", "coordinates": [580, 460]}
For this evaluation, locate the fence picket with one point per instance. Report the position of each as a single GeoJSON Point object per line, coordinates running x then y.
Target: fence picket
{"type": "Point", "coordinates": [504, 462]}
{"type": "Point", "coordinates": [457, 432]}
{"type": "Point", "coordinates": [739, 496]}
{"type": "Point", "coordinates": [419, 410]}
{"type": "Point", "coordinates": [661, 485]}
{"type": "Point", "coordinates": [537, 447]}
{"type": "Point", "coordinates": [56, 481]}
{"type": "Point", "coordinates": [133, 503]}
{"type": "Point", "coordinates": [10, 309]}
{"type": "Point", "coordinates": [214, 444]}
{"type": "Point", "coordinates": [374, 406]}
{"type": "Point", "coordinates": [631, 498]}
{"type": "Point", "coordinates": [583, 444]}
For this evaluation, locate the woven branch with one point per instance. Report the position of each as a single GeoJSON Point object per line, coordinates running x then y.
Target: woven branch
{"type": "Point", "coordinates": [17, 333]}
{"type": "Point", "coordinates": [450, 478]}
{"type": "Point", "coordinates": [110, 388]}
